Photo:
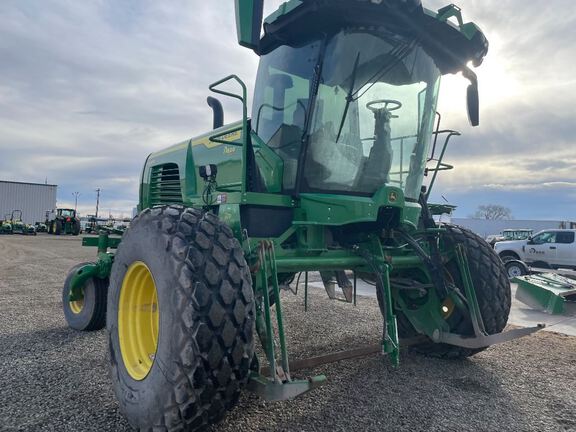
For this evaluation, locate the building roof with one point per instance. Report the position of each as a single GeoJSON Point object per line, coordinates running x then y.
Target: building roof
{"type": "Point", "coordinates": [27, 183]}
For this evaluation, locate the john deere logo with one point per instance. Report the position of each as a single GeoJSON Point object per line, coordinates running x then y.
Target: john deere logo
{"type": "Point", "coordinates": [392, 196]}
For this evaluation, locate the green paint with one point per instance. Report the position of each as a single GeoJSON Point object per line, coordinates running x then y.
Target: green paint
{"type": "Point", "coordinates": [545, 291]}
{"type": "Point", "coordinates": [351, 228]}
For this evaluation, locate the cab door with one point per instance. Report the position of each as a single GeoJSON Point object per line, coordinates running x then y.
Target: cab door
{"type": "Point", "coordinates": [542, 247]}
{"type": "Point", "coordinates": [566, 248]}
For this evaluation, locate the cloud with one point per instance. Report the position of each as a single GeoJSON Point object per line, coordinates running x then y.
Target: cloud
{"type": "Point", "coordinates": [88, 89]}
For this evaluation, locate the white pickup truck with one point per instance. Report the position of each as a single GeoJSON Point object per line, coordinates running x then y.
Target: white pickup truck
{"type": "Point", "coordinates": [553, 248]}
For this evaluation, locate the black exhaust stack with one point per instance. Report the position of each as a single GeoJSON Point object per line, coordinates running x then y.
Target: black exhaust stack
{"type": "Point", "coordinates": [218, 112]}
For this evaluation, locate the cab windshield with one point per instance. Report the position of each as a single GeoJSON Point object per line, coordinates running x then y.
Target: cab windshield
{"type": "Point", "coordinates": [365, 124]}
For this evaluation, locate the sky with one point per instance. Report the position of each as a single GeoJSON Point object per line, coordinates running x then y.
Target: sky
{"type": "Point", "coordinates": [89, 88]}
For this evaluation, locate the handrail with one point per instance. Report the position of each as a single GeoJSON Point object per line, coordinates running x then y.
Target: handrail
{"type": "Point", "coordinates": [244, 127]}
{"type": "Point", "coordinates": [441, 166]}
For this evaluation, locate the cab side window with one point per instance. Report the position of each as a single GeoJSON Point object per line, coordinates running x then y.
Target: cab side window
{"type": "Point", "coordinates": [546, 237]}
{"type": "Point", "coordinates": [565, 237]}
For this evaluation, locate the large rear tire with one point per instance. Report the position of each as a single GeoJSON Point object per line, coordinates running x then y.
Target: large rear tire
{"type": "Point", "coordinates": [492, 287]}
{"type": "Point", "coordinates": [180, 320]}
{"type": "Point", "coordinates": [89, 313]}
{"type": "Point", "coordinates": [57, 227]}
{"type": "Point", "coordinates": [76, 227]}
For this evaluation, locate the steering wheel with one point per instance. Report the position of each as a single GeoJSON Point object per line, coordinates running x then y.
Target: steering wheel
{"type": "Point", "coordinates": [395, 105]}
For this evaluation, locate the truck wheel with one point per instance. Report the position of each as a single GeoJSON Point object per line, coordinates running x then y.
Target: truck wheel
{"type": "Point", "coordinates": [89, 313]}
{"type": "Point", "coordinates": [516, 268]}
{"type": "Point", "coordinates": [180, 320]}
{"type": "Point", "coordinates": [492, 287]}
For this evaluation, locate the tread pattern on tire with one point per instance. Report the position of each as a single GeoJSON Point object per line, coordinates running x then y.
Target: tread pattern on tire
{"type": "Point", "coordinates": [492, 288]}
{"type": "Point", "coordinates": [215, 316]}
{"type": "Point", "coordinates": [98, 320]}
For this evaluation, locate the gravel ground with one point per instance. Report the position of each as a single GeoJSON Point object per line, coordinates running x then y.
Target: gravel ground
{"type": "Point", "coordinates": [55, 379]}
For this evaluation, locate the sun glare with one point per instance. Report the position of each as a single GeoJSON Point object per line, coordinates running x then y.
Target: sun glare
{"type": "Point", "coordinates": [496, 80]}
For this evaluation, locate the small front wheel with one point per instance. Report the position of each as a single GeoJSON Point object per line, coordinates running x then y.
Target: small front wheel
{"type": "Point", "coordinates": [89, 312]}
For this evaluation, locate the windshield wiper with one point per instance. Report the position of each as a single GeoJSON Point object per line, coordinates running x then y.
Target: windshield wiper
{"type": "Point", "coordinates": [349, 97]}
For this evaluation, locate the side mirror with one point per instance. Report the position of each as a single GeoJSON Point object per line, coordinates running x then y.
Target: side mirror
{"type": "Point", "coordinates": [472, 98]}
{"type": "Point", "coordinates": [249, 15]}
{"type": "Point", "coordinates": [473, 104]}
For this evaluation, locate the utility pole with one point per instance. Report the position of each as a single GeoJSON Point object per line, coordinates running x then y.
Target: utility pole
{"type": "Point", "coordinates": [76, 195]}
{"type": "Point", "coordinates": [97, 201]}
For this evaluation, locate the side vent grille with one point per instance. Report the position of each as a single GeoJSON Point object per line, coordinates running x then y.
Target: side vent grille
{"type": "Point", "coordinates": [165, 185]}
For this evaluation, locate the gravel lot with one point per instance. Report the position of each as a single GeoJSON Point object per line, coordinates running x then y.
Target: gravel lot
{"type": "Point", "coordinates": [55, 379]}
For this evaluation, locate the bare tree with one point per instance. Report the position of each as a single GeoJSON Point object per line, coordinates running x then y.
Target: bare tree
{"type": "Point", "coordinates": [492, 211]}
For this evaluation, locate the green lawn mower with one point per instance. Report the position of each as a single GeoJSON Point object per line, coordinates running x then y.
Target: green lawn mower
{"type": "Point", "coordinates": [41, 227]}
{"type": "Point", "coordinates": [18, 225]}
{"type": "Point", "coordinates": [332, 172]}
{"type": "Point", "coordinates": [6, 226]}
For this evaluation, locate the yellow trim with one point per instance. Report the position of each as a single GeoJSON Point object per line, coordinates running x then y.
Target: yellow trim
{"type": "Point", "coordinates": [138, 320]}
{"type": "Point", "coordinates": [205, 141]}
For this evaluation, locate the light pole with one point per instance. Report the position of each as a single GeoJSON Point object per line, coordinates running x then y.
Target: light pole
{"type": "Point", "coordinates": [76, 195]}
{"type": "Point", "coordinates": [97, 201]}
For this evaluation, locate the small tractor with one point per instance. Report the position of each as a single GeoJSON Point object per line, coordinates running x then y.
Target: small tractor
{"type": "Point", "coordinates": [328, 174]}
{"type": "Point", "coordinates": [65, 222]}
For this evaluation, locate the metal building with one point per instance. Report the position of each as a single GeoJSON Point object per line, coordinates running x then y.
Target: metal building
{"type": "Point", "coordinates": [34, 199]}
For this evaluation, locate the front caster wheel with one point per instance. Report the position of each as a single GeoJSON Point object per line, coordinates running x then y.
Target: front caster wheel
{"type": "Point", "coordinates": [89, 312]}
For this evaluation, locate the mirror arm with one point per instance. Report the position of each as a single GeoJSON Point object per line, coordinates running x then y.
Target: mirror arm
{"type": "Point", "coordinates": [470, 75]}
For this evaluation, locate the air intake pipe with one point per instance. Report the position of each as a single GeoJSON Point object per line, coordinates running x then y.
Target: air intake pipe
{"type": "Point", "coordinates": [218, 112]}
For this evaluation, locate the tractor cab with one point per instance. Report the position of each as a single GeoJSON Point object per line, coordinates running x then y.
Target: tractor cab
{"type": "Point", "coordinates": [367, 123]}
{"type": "Point", "coordinates": [66, 213]}
{"type": "Point", "coordinates": [347, 105]}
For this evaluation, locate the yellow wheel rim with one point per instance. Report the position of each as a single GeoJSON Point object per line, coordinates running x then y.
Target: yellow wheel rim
{"type": "Point", "coordinates": [76, 306]}
{"type": "Point", "coordinates": [138, 320]}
